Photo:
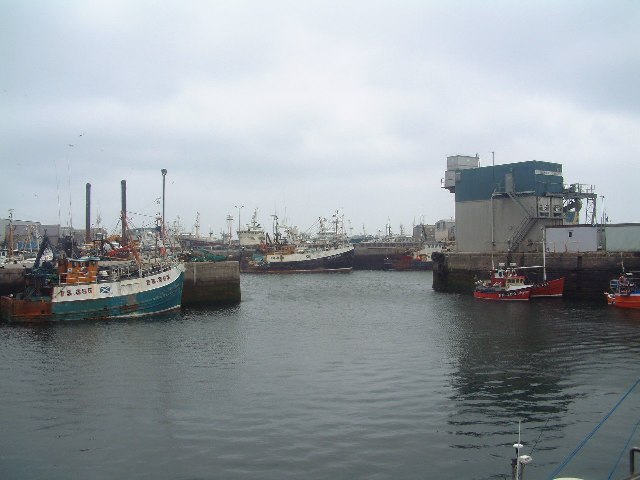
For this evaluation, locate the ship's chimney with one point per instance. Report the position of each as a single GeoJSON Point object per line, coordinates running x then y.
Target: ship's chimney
{"type": "Point", "coordinates": [123, 213]}
{"type": "Point", "coordinates": [87, 228]}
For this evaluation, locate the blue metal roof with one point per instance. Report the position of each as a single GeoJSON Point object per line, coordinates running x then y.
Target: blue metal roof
{"type": "Point", "coordinates": [533, 177]}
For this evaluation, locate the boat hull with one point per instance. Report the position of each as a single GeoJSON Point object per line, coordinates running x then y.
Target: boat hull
{"type": "Point", "coordinates": [133, 297]}
{"type": "Point", "coordinates": [334, 260]}
{"type": "Point", "coordinates": [549, 288]}
{"type": "Point", "coordinates": [503, 295]}
{"type": "Point", "coordinates": [619, 300]}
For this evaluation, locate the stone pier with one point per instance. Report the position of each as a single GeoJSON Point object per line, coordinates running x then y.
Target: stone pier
{"type": "Point", "coordinates": [211, 283]}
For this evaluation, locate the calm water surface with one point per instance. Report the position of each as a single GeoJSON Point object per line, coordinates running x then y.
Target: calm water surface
{"type": "Point", "coordinates": [363, 375]}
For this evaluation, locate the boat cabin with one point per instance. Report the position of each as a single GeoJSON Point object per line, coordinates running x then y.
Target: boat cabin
{"type": "Point", "coordinates": [78, 270]}
{"type": "Point", "coordinates": [515, 282]}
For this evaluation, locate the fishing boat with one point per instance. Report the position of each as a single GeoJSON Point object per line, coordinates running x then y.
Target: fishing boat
{"type": "Point", "coordinates": [539, 288]}
{"type": "Point", "coordinates": [87, 289]}
{"type": "Point", "coordinates": [253, 235]}
{"type": "Point", "coordinates": [544, 288]}
{"type": "Point", "coordinates": [325, 253]}
{"type": "Point", "coordinates": [624, 292]}
{"type": "Point", "coordinates": [512, 288]}
{"type": "Point", "coordinates": [292, 259]}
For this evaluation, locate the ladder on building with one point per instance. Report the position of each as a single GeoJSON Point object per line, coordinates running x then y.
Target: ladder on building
{"type": "Point", "coordinates": [520, 233]}
{"type": "Point", "coordinates": [525, 226]}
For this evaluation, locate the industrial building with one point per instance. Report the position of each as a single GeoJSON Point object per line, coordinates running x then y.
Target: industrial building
{"type": "Point", "coordinates": [504, 208]}
{"type": "Point", "coordinates": [611, 238]}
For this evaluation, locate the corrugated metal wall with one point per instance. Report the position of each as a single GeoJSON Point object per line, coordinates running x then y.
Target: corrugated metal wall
{"type": "Point", "coordinates": [622, 237]}
{"type": "Point", "coordinates": [533, 176]}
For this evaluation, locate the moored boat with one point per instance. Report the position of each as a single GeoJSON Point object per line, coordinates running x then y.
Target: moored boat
{"type": "Point", "coordinates": [545, 288]}
{"type": "Point", "coordinates": [328, 253]}
{"type": "Point", "coordinates": [512, 287]}
{"type": "Point", "coordinates": [548, 288]}
{"type": "Point", "coordinates": [292, 259]}
{"type": "Point", "coordinates": [497, 293]}
{"type": "Point", "coordinates": [253, 235]}
{"type": "Point", "coordinates": [85, 289]}
{"type": "Point", "coordinates": [624, 292]}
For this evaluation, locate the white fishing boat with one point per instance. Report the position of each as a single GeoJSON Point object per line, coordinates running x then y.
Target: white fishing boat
{"type": "Point", "coordinates": [326, 252]}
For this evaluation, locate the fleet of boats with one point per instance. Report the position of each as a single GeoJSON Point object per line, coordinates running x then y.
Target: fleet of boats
{"type": "Point", "coordinates": [291, 252]}
{"type": "Point", "coordinates": [115, 277]}
{"type": "Point", "coordinates": [93, 287]}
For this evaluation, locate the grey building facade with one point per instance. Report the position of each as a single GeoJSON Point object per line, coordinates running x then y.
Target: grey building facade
{"type": "Point", "coordinates": [503, 208]}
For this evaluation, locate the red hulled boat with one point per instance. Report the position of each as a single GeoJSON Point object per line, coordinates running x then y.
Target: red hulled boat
{"type": "Point", "coordinates": [546, 288]}
{"type": "Point", "coordinates": [506, 281]}
{"type": "Point", "coordinates": [624, 292]}
{"type": "Point", "coordinates": [503, 287]}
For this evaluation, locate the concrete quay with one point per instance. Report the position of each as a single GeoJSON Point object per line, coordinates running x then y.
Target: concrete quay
{"type": "Point", "coordinates": [586, 275]}
{"type": "Point", "coordinates": [211, 283]}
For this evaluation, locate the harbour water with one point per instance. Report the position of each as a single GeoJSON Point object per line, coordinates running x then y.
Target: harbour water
{"type": "Point", "coordinates": [363, 375]}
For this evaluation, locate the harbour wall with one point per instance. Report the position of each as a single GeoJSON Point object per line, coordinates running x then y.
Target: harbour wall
{"type": "Point", "coordinates": [211, 283]}
{"type": "Point", "coordinates": [586, 275]}
{"type": "Point", "coordinates": [368, 257]}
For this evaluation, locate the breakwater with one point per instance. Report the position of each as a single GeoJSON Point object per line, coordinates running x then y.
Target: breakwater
{"type": "Point", "coordinates": [372, 256]}
{"type": "Point", "coordinates": [587, 274]}
{"type": "Point", "coordinates": [211, 283]}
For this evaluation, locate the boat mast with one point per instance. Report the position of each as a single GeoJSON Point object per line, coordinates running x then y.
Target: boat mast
{"type": "Point", "coordinates": [544, 254]}
{"type": "Point", "coordinates": [517, 473]}
{"type": "Point", "coordinates": [276, 232]}
{"type": "Point", "coordinates": [123, 212]}
{"type": "Point", "coordinates": [10, 243]}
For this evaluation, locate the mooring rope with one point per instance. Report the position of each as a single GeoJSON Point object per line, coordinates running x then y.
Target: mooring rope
{"type": "Point", "coordinates": [539, 436]}
{"type": "Point", "coordinates": [570, 457]}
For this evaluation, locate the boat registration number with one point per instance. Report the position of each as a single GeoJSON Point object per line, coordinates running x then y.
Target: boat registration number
{"type": "Point", "coordinates": [69, 292]}
{"type": "Point", "coordinates": [159, 279]}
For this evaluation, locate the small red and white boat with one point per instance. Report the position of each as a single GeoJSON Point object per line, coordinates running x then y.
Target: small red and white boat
{"type": "Point", "coordinates": [503, 287]}
{"type": "Point", "coordinates": [546, 288]}
{"type": "Point", "coordinates": [496, 293]}
{"type": "Point", "coordinates": [624, 292]}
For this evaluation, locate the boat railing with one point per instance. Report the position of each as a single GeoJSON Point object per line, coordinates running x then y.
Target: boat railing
{"type": "Point", "coordinates": [115, 272]}
{"type": "Point", "coordinates": [623, 285]}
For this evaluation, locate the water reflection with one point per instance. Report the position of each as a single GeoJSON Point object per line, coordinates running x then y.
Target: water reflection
{"type": "Point", "coordinates": [527, 362]}
{"type": "Point", "coordinates": [370, 375]}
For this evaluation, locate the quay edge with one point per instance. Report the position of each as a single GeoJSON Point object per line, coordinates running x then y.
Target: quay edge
{"type": "Point", "coordinates": [587, 274]}
{"type": "Point", "coordinates": [211, 283]}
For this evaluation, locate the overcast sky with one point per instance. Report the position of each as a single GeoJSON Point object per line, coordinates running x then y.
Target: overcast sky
{"type": "Point", "coordinates": [304, 107]}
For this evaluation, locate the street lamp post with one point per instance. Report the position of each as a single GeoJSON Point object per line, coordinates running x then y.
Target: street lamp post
{"type": "Point", "coordinates": [239, 207]}
{"type": "Point", "coordinates": [164, 174]}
